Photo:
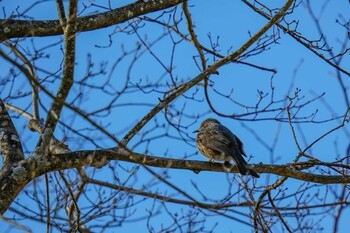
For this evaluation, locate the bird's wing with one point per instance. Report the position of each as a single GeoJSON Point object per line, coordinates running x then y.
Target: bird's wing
{"type": "Point", "coordinates": [240, 145]}
{"type": "Point", "coordinates": [216, 141]}
{"type": "Point", "coordinates": [232, 146]}
{"type": "Point", "coordinates": [221, 139]}
{"type": "Point", "coordinates": [232, 140]}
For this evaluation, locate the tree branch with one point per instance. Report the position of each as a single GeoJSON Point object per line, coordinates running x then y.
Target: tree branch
{"type": "Point", "coordinates": [13, 179]}
{"type": "Point", "coordinates": [28, 28]}
{"type": "Point", "coordinates": [295, 36]}
{"type": "Point", "coordinates": [10, 144]}
{"type": "Point", "coordinates": [67, 76]}
{"type": "Point", "coordinates": [205, 74]}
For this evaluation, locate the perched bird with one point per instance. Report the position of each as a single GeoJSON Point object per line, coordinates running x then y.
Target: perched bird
{"type": "Point", "coordinates": [216, 142]}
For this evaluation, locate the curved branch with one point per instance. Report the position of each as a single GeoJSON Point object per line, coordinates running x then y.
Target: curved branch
{"type": "Point", "coordinates": [28, 28]}
{"type": "Point", "coordinates": [295, 36]}
{"type": "Point", "coordinates": [31, 76]}
{"type": "Point", "coordinates": [274, 20]}
{"type": "Point", "coordinates": [205, 74]}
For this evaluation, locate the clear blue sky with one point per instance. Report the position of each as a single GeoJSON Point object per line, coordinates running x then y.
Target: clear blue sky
{"type": "Point", "coordinates": [231, 20]}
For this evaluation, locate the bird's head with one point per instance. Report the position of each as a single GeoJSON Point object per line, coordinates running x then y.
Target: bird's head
{"type": "Point", "coordinates": [207, 123]}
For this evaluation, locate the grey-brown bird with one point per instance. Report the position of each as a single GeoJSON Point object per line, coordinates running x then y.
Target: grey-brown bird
{"type": "Point", "coordinates": [216, 142]}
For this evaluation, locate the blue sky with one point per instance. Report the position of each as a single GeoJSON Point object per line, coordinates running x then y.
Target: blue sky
{"type": "Point", "coordinates": [232, 21]}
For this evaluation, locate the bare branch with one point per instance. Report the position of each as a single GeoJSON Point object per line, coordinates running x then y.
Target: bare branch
{"type": "Point", "coordinates": [67, 76]}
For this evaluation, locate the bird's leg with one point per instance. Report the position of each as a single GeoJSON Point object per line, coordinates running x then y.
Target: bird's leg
{"type": "Point", "coordinates": [227, 166]}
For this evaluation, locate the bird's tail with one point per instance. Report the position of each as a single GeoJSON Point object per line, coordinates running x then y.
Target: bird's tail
{"type": "Point", "coordinates": [243, 167]}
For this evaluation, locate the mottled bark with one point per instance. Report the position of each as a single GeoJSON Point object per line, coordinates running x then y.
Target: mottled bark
{"type": "Point", "coordinates": [10, 144]}
{"type": "Point", "coordinates": [28, 28]}
{"type": "Point", "coordinates": [13, 179]}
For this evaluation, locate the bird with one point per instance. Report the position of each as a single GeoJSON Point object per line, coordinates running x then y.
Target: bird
{"type": "Point", "coordinates": [216, 142]}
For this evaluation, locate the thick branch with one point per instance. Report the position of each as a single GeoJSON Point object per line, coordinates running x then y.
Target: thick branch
{"type": "Point", "coordinates": [95, 158]}
{"type": "Point", "coordinates": [28, 28]}
{"type": "Point", "coordinates": [10, 144]}
{"type": "Point", "coordinates": [67, 76]}
{"type": "Point", "coordinates": [13, 179]}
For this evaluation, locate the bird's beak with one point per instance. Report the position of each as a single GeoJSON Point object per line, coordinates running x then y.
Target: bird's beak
{"type": "Point", "coordinates": [196, 131]}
